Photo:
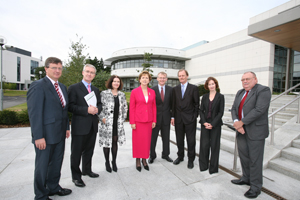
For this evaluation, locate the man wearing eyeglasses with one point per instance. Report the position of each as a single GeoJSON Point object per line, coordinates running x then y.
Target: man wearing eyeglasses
{"type": "Point", "coordinates": [250, 115]}
{"type": "Point", "coordinates": [47, 103]}
{"type": "Point", "coordinates": [163, 104]}
{"type": "Point", "coordinates": [84, 125]}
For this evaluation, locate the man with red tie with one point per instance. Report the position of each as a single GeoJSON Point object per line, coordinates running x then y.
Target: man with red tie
{"type": "Point", "coordinates": [84, 126]}
{"type": "Point", "coordinates": [163, 104]}
{"type": "Point", "coordinates": [250, 115]}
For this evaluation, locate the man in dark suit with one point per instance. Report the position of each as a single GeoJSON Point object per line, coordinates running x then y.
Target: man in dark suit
{"type": "Point", "coordinates": [250, 115]}
{"type": "Point", "coordinates": [185, 107]}
{"type": "Point", "coordinates": [47, 103]}
{"type": "Point", "coordinates": [163, 104]}
{"type": "Point", "coordinates": [84, 125]}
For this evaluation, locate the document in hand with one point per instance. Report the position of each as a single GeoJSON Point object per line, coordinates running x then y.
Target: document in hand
{"type": "Point", "coordinates": [91, 99]}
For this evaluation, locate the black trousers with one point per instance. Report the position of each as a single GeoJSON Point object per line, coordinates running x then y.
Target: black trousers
{"type": "Point", "coordinates": [165, 136]}
{"type": "Point", "coordinates": [48, 164]}
{"type": "Point", "coordinates": [210, 144]}
{"type": "Point", "coordinates": [188, 130]}
{"type": "Point", "coordinates": [82, 146]}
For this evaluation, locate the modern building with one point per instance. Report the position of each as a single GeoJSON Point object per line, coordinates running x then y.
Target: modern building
{"type": "Point", "coordinates": [269, 47]}
{"type": "Point", "coordinates": [18, 67]}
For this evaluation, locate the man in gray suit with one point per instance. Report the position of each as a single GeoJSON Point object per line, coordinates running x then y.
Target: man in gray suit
{"type": "Point", "coordinates": [250, 115]}
{"type": "Point", "coordinates": [163, 105]}
{"type": "Point", "coordinates": [47, 102]}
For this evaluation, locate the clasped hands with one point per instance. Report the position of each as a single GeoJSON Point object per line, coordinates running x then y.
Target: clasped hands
{"type": "Point", "coordinates": [208, 125]}
{"type": "Point", "coordinates": [92, 110]}
{"type": "Point", "coordinates": [133, 126]}
{"type": "Point", "coordinates": [238, 125]}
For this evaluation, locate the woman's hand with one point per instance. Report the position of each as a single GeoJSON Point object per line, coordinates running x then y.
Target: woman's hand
{"type": "Point", "coordinates": [208, 125]}
{"type": "Point", "coordinates": [153, 124]}
{"type": "Point", "coordinates": [133, 126]}
{"type": "Point", "coordinates": [104, 120]}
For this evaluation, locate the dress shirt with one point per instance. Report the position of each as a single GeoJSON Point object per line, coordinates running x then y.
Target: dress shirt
{"type": "Point", "coordinates": [86, 85]}
{"type": "Point", "coordinates": [164, 88]}
{"type": "Point", "coordinates": [242, 110]}
{"type": "Point", "coordinates": [62, 94]}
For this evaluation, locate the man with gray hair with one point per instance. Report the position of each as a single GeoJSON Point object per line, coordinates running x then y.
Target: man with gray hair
{"type": "Point", "coordinates": [84, 125]}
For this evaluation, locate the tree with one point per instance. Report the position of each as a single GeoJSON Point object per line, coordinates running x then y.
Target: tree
{"type": "Point", "coordinates": [146, 65]}
{"type": "Point", "coordinates": [37, 72]}
{"type": "Point", "coordinates": [72, 72]}
{"type": "Point", "coordinates": [99, 64]}
{"type": "Point", "coordinates": [100, 80]}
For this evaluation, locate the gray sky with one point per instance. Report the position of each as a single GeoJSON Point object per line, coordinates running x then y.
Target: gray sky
{"type": "Point", "coordinates": [46, 28]}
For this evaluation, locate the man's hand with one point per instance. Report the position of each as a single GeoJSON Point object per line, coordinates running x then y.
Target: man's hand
{"type": "Point", "coordinates": [241, 130]}
{"type": "Point", "coordinates": [92, 110]}
{"type": "Point", "coordinates": [40, 144]}
{"type": "Point", "coordinates": [104, 120]}
{"type": "Point", "coordinates": [153, 124]}
{"type": "Point", "coordinates": [238, 124]}
{"type": "Point", "coordinates": [133, 126]}
{"type": "Point", "coordinates": [67, 133]}
{"type": "Point", "coordinates": [208, 125]}
{"type": "Point", "coordinates": [172, 122]}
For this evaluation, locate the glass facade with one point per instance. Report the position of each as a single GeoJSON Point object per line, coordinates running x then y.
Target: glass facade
{"type": "Point", "coordinates": [18, 68]}
{"type": "Point", "coordinates": [131, 83]}
{"type": "Point", "coordinates": [33, 66]}
{"type": "Point", "coordinates": [295, 70]}
{"type": "Point", "coordinates": [157, 63]}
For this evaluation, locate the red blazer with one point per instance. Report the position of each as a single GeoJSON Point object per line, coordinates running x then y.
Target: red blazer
{"type": "Point", "coordinates": [139, 110]}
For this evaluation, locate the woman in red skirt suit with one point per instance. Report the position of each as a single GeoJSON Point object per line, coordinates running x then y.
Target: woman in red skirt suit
{"type": "Point", "coordinates": [142, 117]}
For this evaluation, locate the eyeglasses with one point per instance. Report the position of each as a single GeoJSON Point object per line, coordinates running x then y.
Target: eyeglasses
{"type": "Point", "coordinates": [56, 68]}
{"type": "Point", "coordinates": [246, 79]}
{"type": "Point", "coordinates": [89, 72]}
{"type": "Point", "coordinates": [162, 78]}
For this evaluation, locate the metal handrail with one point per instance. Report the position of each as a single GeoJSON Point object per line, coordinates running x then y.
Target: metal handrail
{"type": "Point", "coordinates": [285, 92]}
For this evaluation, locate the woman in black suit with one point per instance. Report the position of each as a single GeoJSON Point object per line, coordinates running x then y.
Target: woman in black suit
{"type": "Point", "coordinates": [211, 112]}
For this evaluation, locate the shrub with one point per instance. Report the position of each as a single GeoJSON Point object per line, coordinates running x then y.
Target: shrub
{"type": "Point", "coordinates": [11, 86]}
{"type": "Point", "coordinates": [8, 117]}
{"type": "Point", "coordinates": [23, 117]}
{"type": "Point", "coordinates": [203, 91]}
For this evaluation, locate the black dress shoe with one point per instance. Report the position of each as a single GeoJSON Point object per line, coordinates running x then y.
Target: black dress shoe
{"type": "Point", "coordinates": [107, 166]}
{"type": "Point", "coordinates": [239, 182]}
{"type": "Point", "coordinates": [48, 198]}
{"type": "Point", "coordinates": [91, 174]}
{"type": "Point", "coordinates": [167, 159]}
{"type": "Point", "coordinates": [252, 194]}
{"type": "Point", "coordinates": [190, 164]}
{"type": "Point", "coordinates": [62, 192]}
{"type": "Point", "coordinates": [79, 183]}
{"type": "Point", "coordinates": [114, 165]}
{"type": "Point", "coordinates": [139, 168]}
{"type": "Point", "coordinates": [151, 160]}
{"type": "Point", "coordinates": [177, 161]}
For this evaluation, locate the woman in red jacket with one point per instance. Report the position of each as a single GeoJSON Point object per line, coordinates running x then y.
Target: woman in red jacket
{"type": "Point", "coordinates": [142, 117]}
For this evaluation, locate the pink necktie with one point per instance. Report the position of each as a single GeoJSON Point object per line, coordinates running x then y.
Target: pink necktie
{"type": "Point", "coordinates": [89, 88]}
{"type": "Point", "coordinates": [59, 95]}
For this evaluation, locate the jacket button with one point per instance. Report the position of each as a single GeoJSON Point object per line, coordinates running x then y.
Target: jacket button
{"type": "Point", "coordinates": [111, 111]}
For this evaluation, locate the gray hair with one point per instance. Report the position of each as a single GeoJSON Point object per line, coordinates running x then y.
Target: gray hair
{"type": "Point", "coordinates": [89, 65]}
{"type": "Point", "coordinates": [251, 73]}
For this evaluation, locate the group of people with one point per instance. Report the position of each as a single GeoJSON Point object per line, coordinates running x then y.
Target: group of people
{"type": "Point", "coordinates": [151, 110]}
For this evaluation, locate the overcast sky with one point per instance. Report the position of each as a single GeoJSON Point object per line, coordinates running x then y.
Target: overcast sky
{"type": "Point", "coordinates": [46, 28]}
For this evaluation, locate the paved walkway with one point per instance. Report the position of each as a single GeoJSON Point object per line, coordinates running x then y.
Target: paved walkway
{"type": "Point", "coordinates": [163, 181]}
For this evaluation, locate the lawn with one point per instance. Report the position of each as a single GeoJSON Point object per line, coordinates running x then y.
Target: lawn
{"type": "Point", "coordinates": [18, 108]}
{"type": "Point", "coordinates": [12, 93]}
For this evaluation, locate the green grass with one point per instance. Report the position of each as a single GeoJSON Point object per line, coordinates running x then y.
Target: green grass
{"type": "Point", "coordinates": [12, 93]}
{"type": "Point", "coordinates": [127, 94]}
{"type": "Point", "coordinates": [18, 108]}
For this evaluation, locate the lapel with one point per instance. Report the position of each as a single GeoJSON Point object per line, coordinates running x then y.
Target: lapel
{"type": "Point", "coordinates": [216, 99]}
{"type": "Point", "coordinates": [51, 88]}
{"type": "Point", "coordinates": [65, 93]}
{"type": "Point", "coordinates": [242, 92]}
{"type": "Point", "coordinates": [251, 94]}
{"type": "Point", "coordinates": [83, 88]}
{"type": "Point", "coordinates": [142, 94]}
{"type": "Point", "coordinates": [186, 90]}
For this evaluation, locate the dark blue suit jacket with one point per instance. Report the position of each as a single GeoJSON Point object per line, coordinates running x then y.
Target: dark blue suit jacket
{"type": "Point", "coordinates": [47, 117]}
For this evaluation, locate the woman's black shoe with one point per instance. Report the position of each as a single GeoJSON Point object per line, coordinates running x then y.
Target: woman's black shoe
{"type": "Point", "coordinates": [139, 168]}
{"type": "Point", "coordinates": [108, 168]}
{"type": "Point", "coordinates": [114, 166]}
{"type": "Point", "coordinates": [146, 167]}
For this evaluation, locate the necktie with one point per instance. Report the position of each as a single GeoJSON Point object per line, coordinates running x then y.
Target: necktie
{"type": "Point", "coordinates": [182, 90]}
{"type": "Point", "coordinates": [162, 94]}
{"type": "Point", "coordinates": [89, 88]}
{"type": "Point", "coordinates": [242, 104]}
{"type": "Point", "coordinates": [59, 95]}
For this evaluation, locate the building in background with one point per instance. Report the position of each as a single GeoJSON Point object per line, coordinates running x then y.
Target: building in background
{"type": "Point", "coordinates": [269, 47]}
{"type": "Point", "coordinates": [18, 67]}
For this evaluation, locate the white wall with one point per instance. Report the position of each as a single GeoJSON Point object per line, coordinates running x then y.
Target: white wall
{"type": "Point", "coordinates": [132, 72]}
{"type": "Point", "coordinates": [228, 58]}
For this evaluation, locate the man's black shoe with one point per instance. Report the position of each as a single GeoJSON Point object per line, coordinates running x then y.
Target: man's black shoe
{"type": "Point", "coordinates": [239, 182]}
{"type": "Point", "coordinates": [167, 158]}
{"type": "Point", "coordinates": [151, 160]}
{"type": "Point", "coordinates": [62, 192]}
{"type": "Point", "coordinates": [252, 194]}
{"type": "Point", "coordinates": [79, 183]}
{"type": "Point", "coordinates": [91, 174]}
{"type": "Point", "coordinates": [177, 161]}
{"type": "Point", "coordinates": [190, 164]}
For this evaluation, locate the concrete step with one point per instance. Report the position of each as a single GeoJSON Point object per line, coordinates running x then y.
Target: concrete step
{"type": "Point", "coordinates": [228, 135]}
{"type": "Point", "coordinates": [291, 153]}
{"type": "Point", "coordinates": [286, 166]}
{"type": "Point", "coordinates": [296, 143]}
{"type": "Point", "coordinates": [227, 145]}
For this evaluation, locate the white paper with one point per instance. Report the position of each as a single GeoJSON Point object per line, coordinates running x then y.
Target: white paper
{"type": "Point", "coordinates": [91, 99]}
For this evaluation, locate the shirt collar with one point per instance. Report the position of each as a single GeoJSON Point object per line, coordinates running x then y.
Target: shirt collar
{"type": "Point", "coordinates": [85, 83]}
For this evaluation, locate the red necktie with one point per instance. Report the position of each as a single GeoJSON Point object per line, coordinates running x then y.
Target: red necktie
{"type": "Point", "coordinates": [59, 95]}
{"type": "Point", "coordinates": [162, 94]}
{"type": "Point", "coordinates": [242, 104]}
{"type": "Point", "coordinates": [89, 88]}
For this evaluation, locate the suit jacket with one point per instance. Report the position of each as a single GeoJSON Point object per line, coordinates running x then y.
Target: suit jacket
{"type": "Point", "coordinates": [255, 111]}
{"type": "Point", "coordinates": [82, 121]}
{"type": "Point", "coordinates": [139, 110]}
{"type": "Point", "coordinates": [47, 117]}
{"type": "Point", "coordinates": [217, 109]}
{"type": "Point", "coordinates": [185, 109]}
{"type": "Point", "coordinates": [163, 107]}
